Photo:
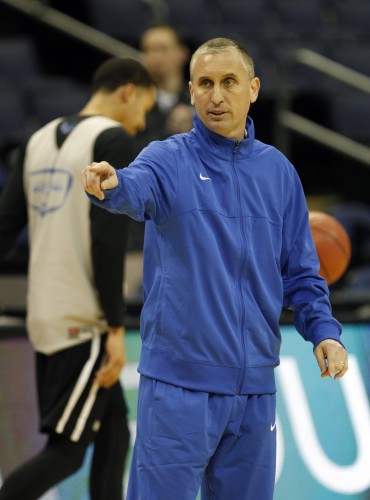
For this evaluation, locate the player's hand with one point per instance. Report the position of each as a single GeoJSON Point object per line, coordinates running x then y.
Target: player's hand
{"type": "Point", "coordinates": [115, 358]}
{"type": "Point", "coordinates": [98, 177]}
{"type": "Point", "coordinates": [332, 358]}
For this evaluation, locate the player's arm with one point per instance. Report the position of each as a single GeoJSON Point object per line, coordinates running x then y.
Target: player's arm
{"type": "Point", "coordinates": [109, 241]}
{"type": "Point", "coordinates": [109, 238]}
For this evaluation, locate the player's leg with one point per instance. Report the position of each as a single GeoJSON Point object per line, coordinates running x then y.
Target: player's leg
{"type": "Point", "coordinates": [243, 465]}
{"type": "Point", "coordinates": [110, 449]}
{"type": "Point", "coordinates": [63, 386]}
{"type": "Point", "coordinates": [70, 408]}
{"type": "Point", "coordinates": [59, 459]}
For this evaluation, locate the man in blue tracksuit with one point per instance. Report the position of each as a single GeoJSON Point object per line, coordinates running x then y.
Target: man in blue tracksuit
{"type": "Point", "coordinates": [227, 244]}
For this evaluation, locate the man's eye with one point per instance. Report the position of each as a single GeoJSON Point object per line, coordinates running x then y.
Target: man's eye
{"type": "Point", "coordinates": [229, 82]}
{"type": "Point", "coordinates": [205, 83]}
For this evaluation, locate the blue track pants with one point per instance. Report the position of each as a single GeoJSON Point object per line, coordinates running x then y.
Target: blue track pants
{"type": "Point", "coordinates": [191, 440]}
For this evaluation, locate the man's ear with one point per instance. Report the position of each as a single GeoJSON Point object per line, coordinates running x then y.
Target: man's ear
{"type": "Point", "coordinates": [127, 91]}
{"type": "Point", "coordinates": [255, 88]}
{"type": "Point", "coordinates": [191, 93]}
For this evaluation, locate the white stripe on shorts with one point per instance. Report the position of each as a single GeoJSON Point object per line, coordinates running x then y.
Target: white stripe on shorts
{"type": "Point", "coordinates": [81, 421]}
{"type": "Point", "coordinates": [80, 384]}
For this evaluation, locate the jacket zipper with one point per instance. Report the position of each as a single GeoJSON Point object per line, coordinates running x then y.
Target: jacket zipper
{"type": "Point", "coordinates": [242, 263]}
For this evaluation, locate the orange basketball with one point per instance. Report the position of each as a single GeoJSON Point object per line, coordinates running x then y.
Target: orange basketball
{"type": "Point", "coordinates": [332, 243]}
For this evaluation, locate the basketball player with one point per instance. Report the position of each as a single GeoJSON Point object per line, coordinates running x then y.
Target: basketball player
{"type": "Point", "coordinates": [75, 310]}
{"type": "Point", "coordinates": [227, 244]}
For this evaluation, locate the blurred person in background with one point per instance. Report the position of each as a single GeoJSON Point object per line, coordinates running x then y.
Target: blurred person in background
{"type": "Point", "coordinates": [75, 304]}
{"type": "Point", "coordinates": [165, 57]}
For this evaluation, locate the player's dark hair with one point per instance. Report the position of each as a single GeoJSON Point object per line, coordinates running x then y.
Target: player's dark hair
{"type": "Point", "coordinates": [117, 71]}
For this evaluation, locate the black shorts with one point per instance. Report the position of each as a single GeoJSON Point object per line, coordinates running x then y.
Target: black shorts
{"type": "Point", "coordinates": [69, 402]}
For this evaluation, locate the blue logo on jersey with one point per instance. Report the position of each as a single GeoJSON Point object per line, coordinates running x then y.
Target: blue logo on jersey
{"type": "Point", "coordinates": [49, 189]}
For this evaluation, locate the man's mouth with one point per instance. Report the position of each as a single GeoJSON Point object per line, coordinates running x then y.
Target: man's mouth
{"type": "Point", "coordinates": [217, 113]}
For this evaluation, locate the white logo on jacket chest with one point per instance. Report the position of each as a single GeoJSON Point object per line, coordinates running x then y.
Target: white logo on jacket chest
{"type": "Point", "coordinates": [203, 178]}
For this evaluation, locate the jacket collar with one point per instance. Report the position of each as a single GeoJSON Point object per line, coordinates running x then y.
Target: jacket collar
{"type": "Point", "coordinates": [223, 145]}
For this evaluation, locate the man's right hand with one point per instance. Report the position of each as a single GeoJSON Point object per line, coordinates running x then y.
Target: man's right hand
{"type": "Point", "coordinates": [98, 177]}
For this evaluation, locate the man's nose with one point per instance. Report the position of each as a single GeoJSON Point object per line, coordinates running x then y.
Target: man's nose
{"type": "Point", "coordinates": [217, 95]}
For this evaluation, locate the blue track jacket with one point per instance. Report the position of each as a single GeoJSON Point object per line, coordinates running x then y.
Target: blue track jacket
{"type": "Point", "coordinates": [227, 244]}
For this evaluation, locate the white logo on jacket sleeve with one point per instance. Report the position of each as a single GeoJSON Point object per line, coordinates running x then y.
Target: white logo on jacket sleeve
{"type": "Point", "coordinates": [203, 178]}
